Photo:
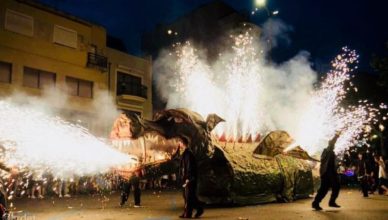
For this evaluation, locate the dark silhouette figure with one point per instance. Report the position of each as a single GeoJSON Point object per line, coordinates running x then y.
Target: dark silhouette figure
{"type": "Point", "coordinates": [126, 185]}
{"type": "Point", "coordinates": [363, 174]}
{"type": "Point", "coordinates": [3, 193]}
{"type": "Point", "coordinates": [188, 175]}
{"type": "Point", "coordinates": [135, 183]}
{"type": "Point", "coordinates": [329, 176]}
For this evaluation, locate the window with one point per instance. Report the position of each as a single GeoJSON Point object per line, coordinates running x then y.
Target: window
{"type": "Point", "coordinates": [5, 72]}
{"type": "Point", "coordinates": [36, 78]}
{"type": "Point", "coordinates": [65, 36]}
{"type": "Point", "coordinates": [129, 85]}
{"type": "Point", "coordinates": [79, 87]}
{"type": "Point", "coordinates": [19, 23]}
{"type": "Point", "coordinates": [72, 86]}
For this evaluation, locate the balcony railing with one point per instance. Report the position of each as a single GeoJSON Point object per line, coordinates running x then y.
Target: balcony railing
{"type": "Point", "coordinates": [98, 61]}
{"type": "Point", "coordinates": [132, 89]}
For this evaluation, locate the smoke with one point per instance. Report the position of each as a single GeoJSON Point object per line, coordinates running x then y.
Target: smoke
{"type": "Point", "coordinates": [105, 111]}
{"type": "Point", "coordinates": [288, 87]}
{"type": "Point", "coordinates": [253, 96]}
{"type": "Point", "coordinates": [98, 114]}
{"type": "Point", "coordinates": [275, 31]}
{"type": "Point", "coordinates": [50, 101]}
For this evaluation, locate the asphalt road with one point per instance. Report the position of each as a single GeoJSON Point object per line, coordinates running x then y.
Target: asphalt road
{"type": "Point", "coordinates": [168, 205]}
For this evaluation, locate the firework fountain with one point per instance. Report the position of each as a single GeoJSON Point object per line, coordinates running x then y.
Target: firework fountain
{"type": "Point", "coordinates": [325, 113]}
{"type": "Point", "coordinates": [37, 142]}
{"type": "Point", "coordinates": [196, 87]}
{"type": "Point", "coordinates": [254, 97]}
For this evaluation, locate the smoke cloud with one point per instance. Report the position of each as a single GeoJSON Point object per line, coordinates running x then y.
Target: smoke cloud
{"type": "Point", "coordinates": [276, 31]}
{"type": "Point", "coordinates": [252, 95]}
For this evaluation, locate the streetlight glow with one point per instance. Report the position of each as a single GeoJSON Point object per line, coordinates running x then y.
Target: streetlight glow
{"type": "Point", "coordinates": [260, 3]}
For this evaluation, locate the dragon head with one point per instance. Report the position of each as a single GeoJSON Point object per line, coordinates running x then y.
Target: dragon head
{"type": "Point", "coordinates": [180, 124]}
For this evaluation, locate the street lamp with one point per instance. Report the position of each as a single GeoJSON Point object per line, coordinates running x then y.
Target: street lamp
{"type": "Point", "coordinates": [263, 4]}
{"type": "Point", "coordinates": [260, 3]}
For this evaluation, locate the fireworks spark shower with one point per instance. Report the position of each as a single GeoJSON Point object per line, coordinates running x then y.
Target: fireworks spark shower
{"type": "Point", "coordinates": [41, 143]}
{"type": "Point", "coordinates": [249, 94]}
{"type": "Point", "coordinates": [325, 113]}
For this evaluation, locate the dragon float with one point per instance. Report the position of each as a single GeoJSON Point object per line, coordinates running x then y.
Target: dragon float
{"type": "Point", "coordinates": [228, 172]}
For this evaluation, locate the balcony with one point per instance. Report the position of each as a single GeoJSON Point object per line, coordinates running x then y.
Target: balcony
{"type": "Point", "coordinates": [97, 61]}
{"type": "Point", "coordinates": [132, 89]}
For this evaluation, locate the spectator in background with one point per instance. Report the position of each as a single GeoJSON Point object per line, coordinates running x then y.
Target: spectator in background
{"type": "Point", "coordinates": [173, 181]}
{"type": "Point", "coordinates": [374, 173]}
{"type": "Point", "coordinates": [383, 175]}
{"type": "Point", "coordinates": [135, 183]}
{"type": "Point", "coordinates": [63, 190]}
{"type": "Point", "coordinates": [35, 186]}
{"type": "Point", "coordinates": [347, 160]}
{"type": "Point", "coordinates": [73, 185]}
{"type": "Point", "coordinates": [164, 181]}
{"type": "Point", "coordinates": [363, 174]}
{"type": "Point", "coordinates": [341, 171]}
{"type": "Point", "coordinates": [3, 191]}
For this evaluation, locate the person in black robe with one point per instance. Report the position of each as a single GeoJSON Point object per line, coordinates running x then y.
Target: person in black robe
{"type": "Point", "coordinates": [363, 172]}
{"type": "Point", "coordinates": [329, 176]}
{"type": "Point", "coordinates": [188, 175]}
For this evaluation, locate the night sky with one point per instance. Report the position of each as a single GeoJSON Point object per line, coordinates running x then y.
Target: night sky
{"type": "Point", "coordinates": [320, 27]}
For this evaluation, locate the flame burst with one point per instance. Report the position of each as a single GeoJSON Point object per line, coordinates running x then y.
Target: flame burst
{"type": "Point", "coordinates": [40, 143]}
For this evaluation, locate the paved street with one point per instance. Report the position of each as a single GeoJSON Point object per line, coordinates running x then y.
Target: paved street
{"type": "Point", "coordinates": [168, 205]}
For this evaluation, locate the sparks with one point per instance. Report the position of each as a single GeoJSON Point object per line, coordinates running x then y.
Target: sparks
{"type": "Point", "coordinates": [243, 90]}
{"type": "Point", "coordinates": [325, 113]}
{"type": "Point", "coordinates": [195, 85]}
{"type": "Point", "coordinates": [37, 142]}
{"type": "Point", "coordinates": [240, 96]}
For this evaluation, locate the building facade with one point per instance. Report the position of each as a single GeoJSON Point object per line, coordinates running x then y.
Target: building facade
{"type": "Point", "coordinates": [42, 49]}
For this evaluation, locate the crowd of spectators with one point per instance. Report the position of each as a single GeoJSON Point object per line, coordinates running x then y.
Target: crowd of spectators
{"type": "Point", "coordinates": [45, 185]}
{"type": "Point", "coordinates": [366, 167]}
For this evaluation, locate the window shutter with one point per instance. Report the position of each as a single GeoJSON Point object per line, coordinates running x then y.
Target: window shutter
{"type": "Point", "coordinates": [65, 36]}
